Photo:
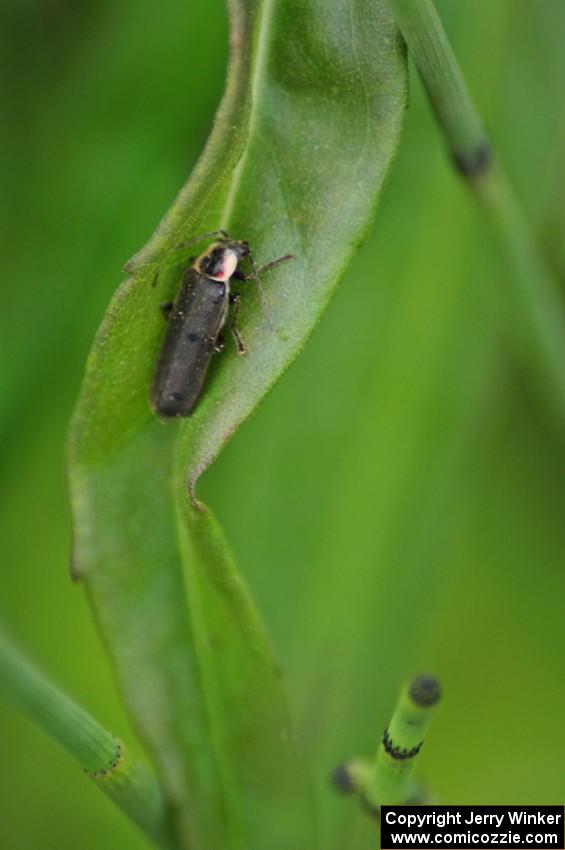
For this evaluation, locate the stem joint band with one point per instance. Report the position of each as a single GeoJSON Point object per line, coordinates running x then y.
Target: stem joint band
{"type": "Point", "coordinates": [398, 753]}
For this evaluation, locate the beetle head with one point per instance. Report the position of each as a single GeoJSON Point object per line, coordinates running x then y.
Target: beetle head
{"type": "Point", "coordinates": [220, 261]}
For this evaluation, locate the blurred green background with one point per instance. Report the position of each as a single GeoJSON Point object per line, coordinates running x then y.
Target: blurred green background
{"type": "Point", "coordinates": [397, 502]}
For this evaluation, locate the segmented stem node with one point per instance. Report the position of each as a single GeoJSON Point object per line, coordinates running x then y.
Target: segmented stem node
{"type": "Point", "coordinates": [110, 767]}
{"type": "Point", "coordinates": [425, 691]}
{"type": "Point", "coordinates": [387, 779]}
{"type": "Point", "coordinates": [399, 753]}
{"type": "Point", "coordinates": [476, 164]}
{"type": "Point", "coordinates": [352, 776]}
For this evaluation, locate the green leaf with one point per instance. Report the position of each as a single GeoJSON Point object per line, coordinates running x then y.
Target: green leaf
{"type": "Point", "coordinates": [295, 162]}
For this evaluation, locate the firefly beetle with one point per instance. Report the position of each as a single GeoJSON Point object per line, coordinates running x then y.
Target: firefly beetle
{"type": "Point", "coordinates": [197, 318]}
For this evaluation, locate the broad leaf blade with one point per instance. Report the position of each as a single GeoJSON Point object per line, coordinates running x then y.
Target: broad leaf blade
{"type": "Point", "coordinates": [305, 134]}
{"type": "Point", "coordinates": [327, 114]}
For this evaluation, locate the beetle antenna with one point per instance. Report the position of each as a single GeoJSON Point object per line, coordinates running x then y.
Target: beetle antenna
{"type": "Point", "coordinates": [271, 265]}
{"type": "Point", "coordinates": [202, 236]}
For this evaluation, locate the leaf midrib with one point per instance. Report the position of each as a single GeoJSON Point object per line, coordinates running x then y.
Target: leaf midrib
{"type": "Point", "coordinates": [258, 67]}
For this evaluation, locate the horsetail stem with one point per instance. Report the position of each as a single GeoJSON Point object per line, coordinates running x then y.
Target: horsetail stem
{"type": "Point", "coordinates": [538, 322]}
{"type": "Point", "coordinates": [387, 779]}
{"type": "Point", "coordinates": [130, 785]}
{"type": "Point", "coordinates": [391, 779]}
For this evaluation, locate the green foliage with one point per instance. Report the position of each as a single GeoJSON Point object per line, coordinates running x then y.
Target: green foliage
{"type": "Point", "coordinates": [302, 142]}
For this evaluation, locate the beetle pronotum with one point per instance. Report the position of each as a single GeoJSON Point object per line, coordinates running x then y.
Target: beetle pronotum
{"type": "Point", "coordinates": [196, 320]}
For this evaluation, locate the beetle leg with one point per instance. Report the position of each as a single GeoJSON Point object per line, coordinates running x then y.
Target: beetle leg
{"type": "Point", "coordinates": [235, 299]}
{"type": "Point", "coordinates": [220, 343]}
{"type": "Point", "coordinates": [166, 308]}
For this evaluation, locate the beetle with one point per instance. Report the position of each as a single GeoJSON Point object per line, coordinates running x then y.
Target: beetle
{"type": "Point", "coordinates": [197, 318]}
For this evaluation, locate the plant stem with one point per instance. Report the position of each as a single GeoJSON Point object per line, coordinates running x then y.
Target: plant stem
{"type": "Point", "coordinates": [100, 754]}
{"type": "Point", "coordinates": [391, 779]}
{"type": "Point", "coordinates": [387, 779]}
{"type": "Point", "coordinates": [449, 96]}
{"type": "Point", "coordinates": [540, 322]}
